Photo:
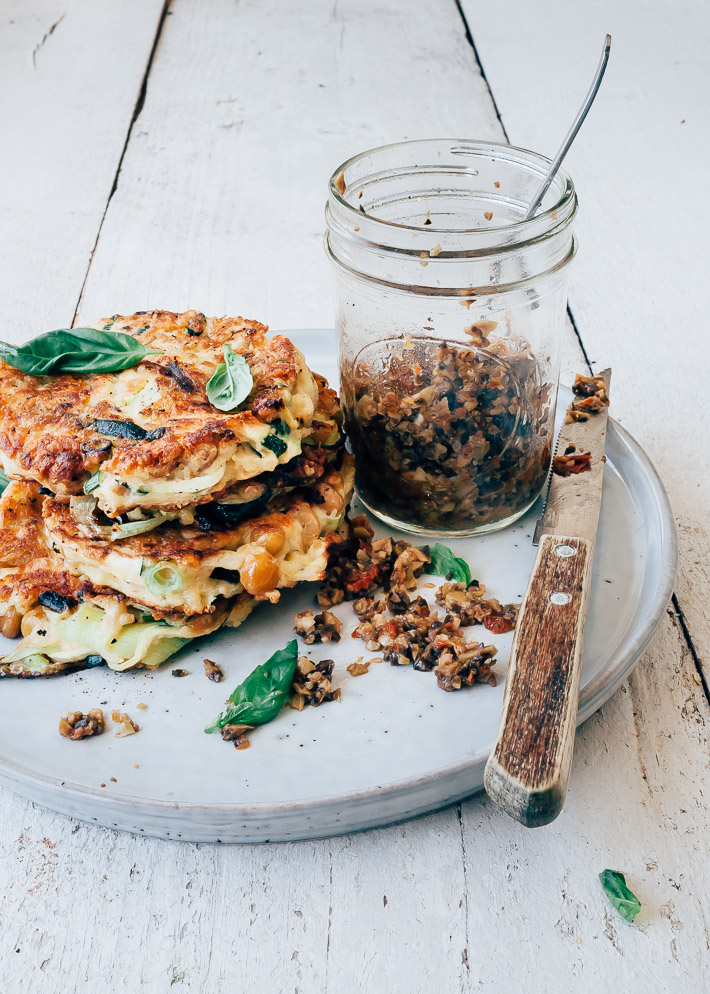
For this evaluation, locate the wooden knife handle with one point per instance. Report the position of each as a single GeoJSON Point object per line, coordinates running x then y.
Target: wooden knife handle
{"type": "Point", "coordinates": [528, 771]}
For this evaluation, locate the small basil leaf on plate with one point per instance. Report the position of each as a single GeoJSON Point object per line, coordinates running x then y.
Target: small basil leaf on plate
{"type": "Point", "coordinates": [4, 482]}
{"type": "Point", "coordinates": [445, 563]}
{"type": "Point", "coordinates": [276, 444]}
{"type": "Point", "coordinates": [623, 899]}
{"type": "Point", "coordinates": [231, 382]}
{"type": "Point", "coordinates": [262, 695]}
{"type": "Point", "coordinates": [74, 351]}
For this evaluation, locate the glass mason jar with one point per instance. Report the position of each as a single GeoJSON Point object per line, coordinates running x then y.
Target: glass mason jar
{"type": "Point", "coordinates": [450, 309]}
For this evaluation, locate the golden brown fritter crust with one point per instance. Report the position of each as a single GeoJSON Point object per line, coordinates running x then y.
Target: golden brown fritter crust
{"type": "Point", "coordinates": [47, 423]}
{"type": "Point", "coordinates": [187, 545]}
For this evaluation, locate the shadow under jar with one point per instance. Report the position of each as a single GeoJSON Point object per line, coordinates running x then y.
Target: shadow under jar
{"type": "Point", "coordinates": [450, 309]}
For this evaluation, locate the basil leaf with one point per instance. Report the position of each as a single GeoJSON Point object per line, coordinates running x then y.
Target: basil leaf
{"type": "Point", "coordinates": [624, 900]}
{"type": "Point", "coordinates": [4, 482]}
{"type": "Point", "coordinates": [276, 444]}
{"type": "Point", "coordinates": [76, 350]}
{"type": "Point", "coordinates": [231, 382]}
{"type": "Point", "coordinates": [260, 698]}
{"type": "Point", "coordinates": [445, 563]}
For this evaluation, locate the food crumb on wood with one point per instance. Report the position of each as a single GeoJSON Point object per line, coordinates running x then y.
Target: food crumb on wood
{"type": "Point", "coordinates": [77, 725]}
{"type": "Point", "coordinates": [180, 672]}
{"type": "Point", "coordinates": [213, 671]}
{"type": "Point", "coordinates": [126, 725]}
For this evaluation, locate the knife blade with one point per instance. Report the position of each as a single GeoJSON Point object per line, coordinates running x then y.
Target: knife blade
{"type": "Point", "coordinates": [572, 503]}
{"type": "Point", "coordinates": [528, 771]}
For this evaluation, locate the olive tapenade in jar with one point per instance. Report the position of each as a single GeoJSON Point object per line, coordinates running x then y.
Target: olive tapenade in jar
{"type": "Point", "coordinates": [451, 309]}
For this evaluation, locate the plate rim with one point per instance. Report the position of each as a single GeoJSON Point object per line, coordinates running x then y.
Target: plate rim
{"type": "Point", "coordinates": [593, 696]}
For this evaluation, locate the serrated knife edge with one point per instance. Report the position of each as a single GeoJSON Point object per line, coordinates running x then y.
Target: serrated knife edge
{"type": "Point", "coordinates": [572, 504]}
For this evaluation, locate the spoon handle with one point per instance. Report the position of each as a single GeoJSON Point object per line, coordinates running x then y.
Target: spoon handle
{"type": "Point", "coordinates": [572, 133]}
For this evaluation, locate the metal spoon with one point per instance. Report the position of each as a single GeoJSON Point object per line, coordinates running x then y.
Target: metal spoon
{"type": "Point", "coordinates": [572, 133]}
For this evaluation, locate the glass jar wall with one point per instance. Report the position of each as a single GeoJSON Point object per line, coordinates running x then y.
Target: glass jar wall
{"type": "Point", "coordinates": [450, 310]}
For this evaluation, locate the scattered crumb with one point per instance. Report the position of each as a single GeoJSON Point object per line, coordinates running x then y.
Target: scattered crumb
{"type": "Point", "coordinates": [213, 671]}
{"type": "Point", "coordinates": [102, 785]}
{"type": "Point", "coordinates": [340, 183]}
{"type": "Point", "coordinates": [488, 215]}
{"type": "Point", "coordinates": [437, 250]}
{"type": "Point", "coordinates": [76, 725]}
{"type": "Point", "coordinates": [357, 669]}
{"type": "Point", "coordinates": [180, 672]}
{"type": "Point", "coordinates": [142, 707]}
{"type": "Point", "coordinates": [237, 735]}
{"type": "Point", "coordinates": [429, 586]}
{"type": "Point", "coordinates": [114, 780]}
{"type": "Point", "coordinates": [126, 725]}
{"type": "Point", "coordinates": [135, 766]}
{"type": "Point", "coordinates": [324, 627]}
{"type": "Point", "coordinates": [496, 184]}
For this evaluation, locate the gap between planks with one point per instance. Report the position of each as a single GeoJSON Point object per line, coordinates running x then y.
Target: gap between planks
{"type": "Point", "coordinates": [675, 603]}
{"type": "Point", "coordinates": [140, 101]}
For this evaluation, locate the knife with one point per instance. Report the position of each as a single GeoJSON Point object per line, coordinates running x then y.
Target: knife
{"type": "Point", "coordinates": [528, 771]}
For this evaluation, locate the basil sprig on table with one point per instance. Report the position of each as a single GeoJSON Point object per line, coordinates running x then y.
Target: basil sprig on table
{"type": "Point", "coordinates": [262, 695]}
{"type": "Point", "coordinates": [231, 382]}
{"type": "Point", "coordinates": [624, 900]}
{"type": "Point", "coordinates": [445, 563]}
{"type": "Point", "coordinates": [76, 350]}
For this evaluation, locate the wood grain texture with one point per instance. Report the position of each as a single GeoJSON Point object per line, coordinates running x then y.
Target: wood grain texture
{"type": "Point", "coordinates": [528, 772]}
{"type": "Point", "coordinates": [243, 98]}
{"type": "Point", "coordinates": [70, 79]}
{"type": "Point", "coordinates": [640, 166]}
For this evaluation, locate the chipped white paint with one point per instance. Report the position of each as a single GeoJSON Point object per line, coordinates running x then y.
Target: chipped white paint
{"type": "Point", "coordinates": [218, 206]}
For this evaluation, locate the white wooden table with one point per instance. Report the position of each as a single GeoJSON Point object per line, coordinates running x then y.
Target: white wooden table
{"type": "Point", "coordinates": [177, 156]}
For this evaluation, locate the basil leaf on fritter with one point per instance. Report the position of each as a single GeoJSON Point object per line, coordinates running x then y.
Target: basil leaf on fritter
{"type": "Point", "coordinates": [445, 563]}
{"type": "Point", "coordinates": [260, 698]}
{"type": "Point", "coordinates": [231, 382]}
{"type": "Point", "coordinates": [4, 482]}
{"type": "Point", "coordinates": [76, 350]}
{"type": "Point", "coordinates": [624, 900]}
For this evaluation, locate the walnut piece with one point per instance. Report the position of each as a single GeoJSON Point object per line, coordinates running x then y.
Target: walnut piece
{"type": "Point", "coordinates": [324, 627]}
{"type": "Point", "coordinates": [237, 735]}
{"type": "Point", "coordinates": [126, 726]}
{"type": "Point", "coordinates": [313, 683]}
{"type": "Point", "coordinates": [76, 725]}
{"type": "Point", "coordinates": [213, 671]}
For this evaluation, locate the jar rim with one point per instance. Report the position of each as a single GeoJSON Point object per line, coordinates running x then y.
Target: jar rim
{"type": "Point", "coordinates": [465, 147]}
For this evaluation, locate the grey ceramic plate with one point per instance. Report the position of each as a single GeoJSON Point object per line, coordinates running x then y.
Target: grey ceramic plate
{"type": "Point", "coordinates": [396, 745]}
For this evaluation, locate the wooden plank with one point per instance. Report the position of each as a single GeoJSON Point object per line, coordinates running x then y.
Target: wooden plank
{"type": "Point", "coordinates": [219, 205]}
{"type": "Point", "coordinates": [638, 288]}
{"type": "Point", "coordinates": [637, 803]}
{"type": "Point", "coordinates": [70, 77]}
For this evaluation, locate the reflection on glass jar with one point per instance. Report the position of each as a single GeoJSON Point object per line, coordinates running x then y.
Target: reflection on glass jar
{"type": "Point", "coordinates": [450, 311]}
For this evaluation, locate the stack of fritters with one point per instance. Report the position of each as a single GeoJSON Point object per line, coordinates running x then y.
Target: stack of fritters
{"type": "Point", "coordinates": [140, 516]}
